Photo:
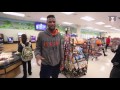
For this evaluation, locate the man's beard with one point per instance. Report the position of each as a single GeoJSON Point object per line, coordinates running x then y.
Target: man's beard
{"type": "Point", "coordinates": [52, 29]}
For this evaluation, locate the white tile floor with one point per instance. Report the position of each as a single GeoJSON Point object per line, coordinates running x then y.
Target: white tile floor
{"type": "Point", "coordinates": [96, 69]}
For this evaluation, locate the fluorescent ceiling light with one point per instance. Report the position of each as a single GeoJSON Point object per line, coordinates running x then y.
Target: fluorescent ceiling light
{"type": "Point", "coordinates": [101, 30]}
{"type": "Point", "coordinates": [107, 26]}
{"type": "Point", "coordinates": [67, 23]}
{"type": "Point", "coordinates": [15, 14]}
{"type": "Point", "coordinates": [113, 28]}
{"type": "Point", "coordinates": [96, 29]}
{"type": "Point", "coordinates": [42, 18]}
{"type": "Point", "coordinates": [117, 29]}
{"type": "Point", "coordinates": [67, 13]}
{"type": "Point", "coordinates": [89, 27]}
{"type": "Point", "coordinates": [100, 23]}
{"type": "Point", "coordinates": [87, 18]}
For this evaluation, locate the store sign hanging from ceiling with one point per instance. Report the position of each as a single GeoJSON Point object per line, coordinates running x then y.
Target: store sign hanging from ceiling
{"type": "Point", "coordinates": [112, 18]}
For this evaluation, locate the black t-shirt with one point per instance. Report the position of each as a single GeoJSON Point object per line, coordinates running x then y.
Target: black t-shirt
{"type": "Point", "coordinates": [116, 58]}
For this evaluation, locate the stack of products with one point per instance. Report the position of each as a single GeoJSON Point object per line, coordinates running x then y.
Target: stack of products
{"type": "Point", "coordinates": [74, 59]}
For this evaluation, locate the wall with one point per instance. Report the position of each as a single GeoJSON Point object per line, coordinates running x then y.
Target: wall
{"type": "Point", "coordinates": [113, 35]}
{"type": "Point", "coordinates": [14, 33]}
{"type": "Point", "coordinates": [11, 28]}
{"type": "Point", "coordinates": [86, 33]}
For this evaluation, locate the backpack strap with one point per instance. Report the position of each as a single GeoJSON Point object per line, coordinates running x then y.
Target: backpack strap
{"type": "Point", "coordinates": [29, 44]}
{"type": "Point", "coordinates": [25, 45]}
{"type": "Point", "coordinates": [22, 45]}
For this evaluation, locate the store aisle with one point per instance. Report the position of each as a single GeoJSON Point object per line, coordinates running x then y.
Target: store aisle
{"type": "Point", "coordinates": [96, 69]}
{"type": "Point", "coordinates": [100, 68]}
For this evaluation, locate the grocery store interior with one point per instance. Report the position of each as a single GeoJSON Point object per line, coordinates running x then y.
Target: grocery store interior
{"type": "Point", "coordinates": [82, 27]}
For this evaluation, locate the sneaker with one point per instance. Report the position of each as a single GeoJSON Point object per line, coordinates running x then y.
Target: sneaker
{"type": "Point", "coordinates": [30, 73]}
{"type": "Point", "coordinates": [105, 55]}
{"type": "Point", "coordinates": [24, 77]}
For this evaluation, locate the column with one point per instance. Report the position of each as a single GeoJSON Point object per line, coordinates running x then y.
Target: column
{"type": "Point", "coordinates": [78, 30]}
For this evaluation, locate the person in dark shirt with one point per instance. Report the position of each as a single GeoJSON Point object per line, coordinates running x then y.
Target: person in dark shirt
{"type": "Point", "coordinates": [115, 72]}
{"type": "Point", "coordinates": [20, 48]}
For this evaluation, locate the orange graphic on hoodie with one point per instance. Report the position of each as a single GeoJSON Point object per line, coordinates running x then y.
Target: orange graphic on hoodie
{"type": "Point", "coordinates": [45, 44]}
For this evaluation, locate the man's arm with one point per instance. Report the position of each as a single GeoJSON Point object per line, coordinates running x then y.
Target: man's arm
{"type": "Point", "coordinates": [62, 52]}
{"type": "Point", "coordinates": [38, 49]}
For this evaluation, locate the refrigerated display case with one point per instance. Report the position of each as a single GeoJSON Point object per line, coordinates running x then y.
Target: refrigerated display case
{"type": "Point", "coordinates": [9, 64]}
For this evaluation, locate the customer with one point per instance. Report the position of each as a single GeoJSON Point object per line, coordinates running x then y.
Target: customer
{"type": "Point", "coordinates": [49, 49]}
{"type": "Point", "coordinates": [115, 72]}
{"type": "Point", "coordinates": [24, 41]}
{"type": "Point", "coordinates": [107, 42]}
{"type": "Point", "coordinates": [103, 45]}
{"type": "Point", "coordinates": [100, 44]}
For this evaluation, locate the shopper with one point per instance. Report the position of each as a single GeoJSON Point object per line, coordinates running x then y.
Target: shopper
{"type": "Point", "coordinates": [103, 46]}
{"type": "Point", "coordinates": [103, 40]}
{"type": "Point", "coordinates": [107, 42]}
{"type": "Point", "coordinates": [24, 41]}
{"type": "Point", "coordinates": [115, 72]}
{"type": "Point", "coordinates": [100, 44]}
{"type": "Point", "coordinates": [49, 49]}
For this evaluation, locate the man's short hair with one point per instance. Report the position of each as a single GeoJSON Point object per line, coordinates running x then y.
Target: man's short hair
{"type": "Point", "coordinates": [50, 16]}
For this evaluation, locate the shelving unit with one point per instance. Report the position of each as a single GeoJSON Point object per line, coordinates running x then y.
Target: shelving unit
{"type": "Point", "coordinates": [9, 65]}
{"type": "Point", "coordinates": [75, 61]}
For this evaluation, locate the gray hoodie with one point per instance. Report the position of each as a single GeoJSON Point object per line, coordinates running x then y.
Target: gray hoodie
{"type": "Point", "coordinates": [49, 47]}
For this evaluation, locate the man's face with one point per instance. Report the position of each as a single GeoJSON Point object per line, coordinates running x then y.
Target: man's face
{"type": "Point", "coordinates": [51, 22]}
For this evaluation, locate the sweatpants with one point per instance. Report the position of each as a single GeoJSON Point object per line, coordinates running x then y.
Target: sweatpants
{"type": "Point", "coordinates": [48, 71]}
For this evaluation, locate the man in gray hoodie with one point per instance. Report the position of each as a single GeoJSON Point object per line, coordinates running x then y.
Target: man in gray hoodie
{"type": "Point", "coordinates": [49, 49]}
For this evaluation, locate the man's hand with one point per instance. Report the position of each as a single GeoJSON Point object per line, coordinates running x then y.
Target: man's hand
{"type": "Point", "coordinates": [38, 58]}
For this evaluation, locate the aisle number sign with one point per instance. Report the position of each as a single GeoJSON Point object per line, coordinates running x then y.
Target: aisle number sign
{"type": "Point", "coordinates": [112, 18]}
